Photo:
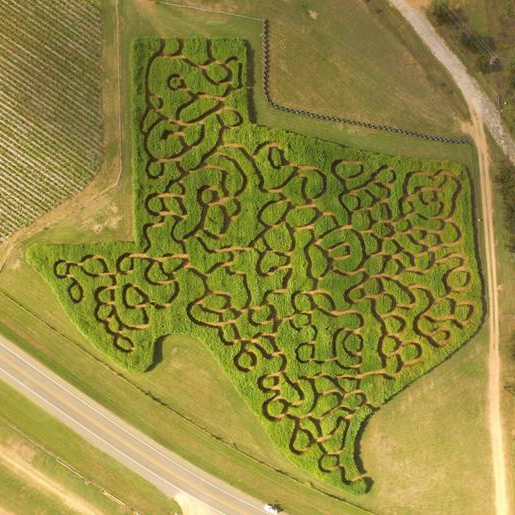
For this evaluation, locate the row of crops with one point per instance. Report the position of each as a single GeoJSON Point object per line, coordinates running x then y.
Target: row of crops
{"type": "Point", "coordinates": [50, 105]}
{"type": "Point", "coordinates": [325, 279]}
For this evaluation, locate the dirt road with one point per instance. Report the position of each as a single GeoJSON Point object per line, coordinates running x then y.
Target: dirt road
{"type": "Point", "coordinates": [483, 113]}
{"type": "Point", "coordinates": [494, 359]}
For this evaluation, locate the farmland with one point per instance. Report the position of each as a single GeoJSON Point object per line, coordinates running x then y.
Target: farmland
{"type": "Point", "coordinates": [50, 105]}
{"type": "Point", "coordinates": [280, 249]}
{"type": "Point", "coordinates": [409, 438]}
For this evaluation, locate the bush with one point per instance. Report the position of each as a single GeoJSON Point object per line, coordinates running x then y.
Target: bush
{"type": "Point", "coordinates": [483, 63]}
{"type": "Point", "coordinates": [443, 13]}
{"type": "Point", "coordinates": [508, 112]}
{"type": "Point", "coordinates": [506, 182]}
{"type": "Point", "coordinates": [470, 40]}
{"type": "Point", "coordinates": [511, 71]}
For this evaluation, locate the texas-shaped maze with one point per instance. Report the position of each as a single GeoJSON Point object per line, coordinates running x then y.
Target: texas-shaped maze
{"type": "Point", "coordinates": [324, 279]}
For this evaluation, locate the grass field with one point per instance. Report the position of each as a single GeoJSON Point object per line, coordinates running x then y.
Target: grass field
{"type": "Point", "coordinates": [50, 111]}
{"type": "Point", "coordinates": [369, 84]}
{"type": "Point", "coordinates": [33, 449]}
{"type": "Point", "coordinates": [237, 444]}
{"type": "Point", "coordinates": [348, 84]}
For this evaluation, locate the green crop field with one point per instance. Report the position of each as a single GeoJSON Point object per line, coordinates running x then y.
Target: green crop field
{"type": "Point", "coordinates": [50, 105]}
{"type": "Point", "coordinates": [324, 279]}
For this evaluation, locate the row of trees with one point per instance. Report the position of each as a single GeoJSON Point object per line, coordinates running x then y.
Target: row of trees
{"type": "Point", "coordinates": [483, 46]}
{"type": "Point", "coordinates": [472, 40]}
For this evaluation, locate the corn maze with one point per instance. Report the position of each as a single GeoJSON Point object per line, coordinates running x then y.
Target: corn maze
{"type": "Point", "coordinates": [324, 279]}
{"type": "Point", "coordinates": [50, 105]}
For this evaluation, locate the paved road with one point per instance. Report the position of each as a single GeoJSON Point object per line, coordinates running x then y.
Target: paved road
{"type": "Point", "coordinates": [483, 113]}
{"type": "Point", "coordinates": [138, 452]}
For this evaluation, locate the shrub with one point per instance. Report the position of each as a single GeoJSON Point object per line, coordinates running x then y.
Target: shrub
{"type": "Point", "coordinates": [511, 71]}
{"type": "Point", "coordinates": [506, 181]}
{"type": "Point", "coordinates": [443, 13]}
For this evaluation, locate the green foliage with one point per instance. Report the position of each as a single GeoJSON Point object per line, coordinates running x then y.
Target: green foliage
{"type": "Point", "coordinates": [511, 72]}
{"type": "Point", "coordinates": [441, 10]}
{"type": "Point", "coordinates": [508, 112]}
{"type": "Point", "coordinates": [324, 279]}
{"type": "Point", "coordinates": [506, 183]}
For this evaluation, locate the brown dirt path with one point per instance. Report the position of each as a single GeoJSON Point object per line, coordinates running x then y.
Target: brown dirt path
{"type": "Point", "coordinates": [494, 359]}
{"type": "Point", "coordinates": [23, 468]}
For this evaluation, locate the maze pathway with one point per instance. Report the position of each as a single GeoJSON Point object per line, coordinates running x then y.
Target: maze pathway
{"type": "Point", "coordinates": [324, 279]}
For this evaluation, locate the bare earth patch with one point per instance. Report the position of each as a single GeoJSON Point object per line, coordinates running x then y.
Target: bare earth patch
{"type": "Point", "coordinates": [22, 450]}
{"type": "Point", "coordinates": [420, 4]}
{"type": "Point", "coordinates": [111, 221]}
{"type": "Point", "coordinates": [313, 14]}
{"type": "Point", "coordinates": [15, 265]}
{"type": "Point", "coordinates": [190, 505]}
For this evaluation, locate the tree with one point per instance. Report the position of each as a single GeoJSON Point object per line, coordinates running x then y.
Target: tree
{"type": "Point", "coordinates": [483, 63]}
{"type": "Point", "coordinates": [511, 71]}
{"type": "Point", "coordinates": [441, 10]}
{"type": "Point", "coordinates": [506, 182]}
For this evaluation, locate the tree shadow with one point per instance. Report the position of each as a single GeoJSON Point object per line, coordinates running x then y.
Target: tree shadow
{"type": "Point", "coordinates": [158, 354]}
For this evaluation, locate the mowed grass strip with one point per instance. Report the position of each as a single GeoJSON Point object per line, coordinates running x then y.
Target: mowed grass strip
{"type": "Point", "coordinates": [325, 279]}
{"type": "Point", "coordinates": [20, 496]}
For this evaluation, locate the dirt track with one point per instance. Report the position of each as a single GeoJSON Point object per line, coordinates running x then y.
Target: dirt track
{"type": "Point", "coordinates": [483, 112]}
{"type": "Point", "coordinates": [48, 485]}
{"type": "Point", "coordinates": [494, 360]}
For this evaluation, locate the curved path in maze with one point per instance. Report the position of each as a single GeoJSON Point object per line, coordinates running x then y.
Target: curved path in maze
{"type": "Point", "coordinates": [324, 279]}
{"type": "Point", "coordinates": [266, 52]}
{"type": "Point", "coordinates": [483, 112]}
